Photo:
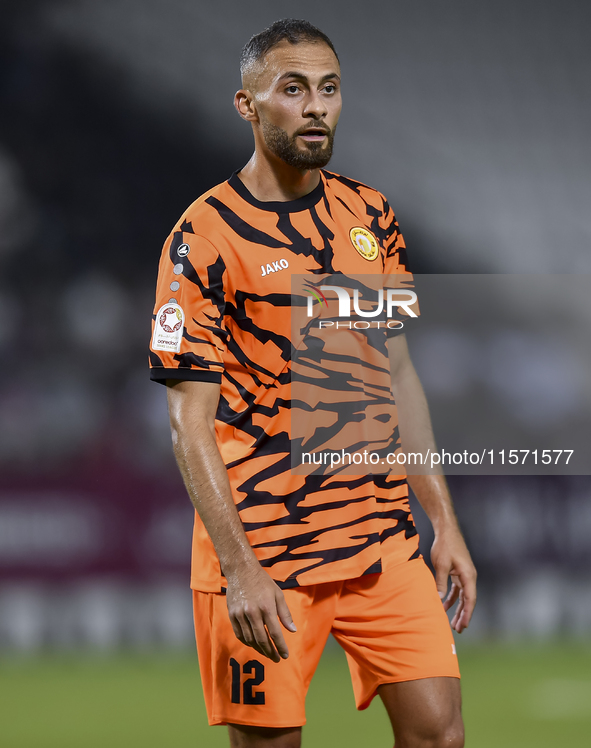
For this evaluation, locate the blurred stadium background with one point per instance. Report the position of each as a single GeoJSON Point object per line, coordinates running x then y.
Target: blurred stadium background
{"type": "Point", "coordinates": [473, 118]}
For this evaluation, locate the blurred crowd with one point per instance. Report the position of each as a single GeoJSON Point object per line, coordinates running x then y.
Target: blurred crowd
{"type": "Point", "coordinates": [90, 184]}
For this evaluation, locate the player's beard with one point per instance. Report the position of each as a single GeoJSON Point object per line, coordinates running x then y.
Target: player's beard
{"type": "Point", "coordinates": [314, 155]}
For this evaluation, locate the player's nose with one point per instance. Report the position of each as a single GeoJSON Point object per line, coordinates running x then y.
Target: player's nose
{"type": "Point", "coordinates": [315, 107]}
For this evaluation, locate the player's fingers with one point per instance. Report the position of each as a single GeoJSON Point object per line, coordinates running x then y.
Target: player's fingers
{"type": "Point", "coordinates": [249, 638]}
{"type": "Point", "coordinates": [274, 629]}
{"type": "Point", "coordinates": [466, 580]}
{"type": "Point", "coordinates": [467, 613]}
{"type": "Point", "coordinates": [441, 579]}
{"type": "Point", "coordinates": [455, 621]}
{"type": "Point", "coordinates": [237, 629]}
{"type": "Point", "coordinates": [469, 602]}
{"type": "Point", "coordinates": [262, 639]}
{"type": "Point", "coordinates": [452, 597]}
{"type": "Point", "coordinates": [283, 612]}
{"type": "Point", "coordinates": [247, 634]}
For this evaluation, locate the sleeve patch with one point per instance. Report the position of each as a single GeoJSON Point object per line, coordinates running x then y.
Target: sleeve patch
{"type": "Point", "coordinates": [168, 328]}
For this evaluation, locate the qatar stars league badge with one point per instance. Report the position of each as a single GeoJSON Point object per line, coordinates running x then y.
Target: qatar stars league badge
{"type": "Point", "coordinates": [168, 328]}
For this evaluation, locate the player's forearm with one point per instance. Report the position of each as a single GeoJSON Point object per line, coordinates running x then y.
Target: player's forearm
{"type": "Point", "coordinates": [433, 495]}
{"type": "Point", "coordinates": [206, 480]}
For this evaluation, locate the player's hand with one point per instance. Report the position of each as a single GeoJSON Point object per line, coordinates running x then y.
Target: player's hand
{"type": "Point", "coordinates": [256, 605]}
{"type": "Point", "coordinates": [450, 557]}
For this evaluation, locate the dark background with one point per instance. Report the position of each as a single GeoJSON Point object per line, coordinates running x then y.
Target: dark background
{"type": "Point", "coordinates": [473, 118]}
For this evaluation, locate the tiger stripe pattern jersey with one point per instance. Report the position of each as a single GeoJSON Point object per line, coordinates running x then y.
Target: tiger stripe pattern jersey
{"type": "Point", "coordinates": [223, 315]}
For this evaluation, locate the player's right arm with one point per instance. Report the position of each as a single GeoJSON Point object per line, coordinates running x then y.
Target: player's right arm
{"type": "Point", "coordinates": [255, 603]}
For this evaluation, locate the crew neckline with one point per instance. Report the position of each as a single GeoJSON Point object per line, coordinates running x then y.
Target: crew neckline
{"type": "Point", "coordinates": [278, 206]}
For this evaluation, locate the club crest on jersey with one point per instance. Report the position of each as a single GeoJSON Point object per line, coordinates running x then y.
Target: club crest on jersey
{"type": "Point", "coordinates": [168, 328]}
{"type": "Point", "coordinates": [274, 267]}
{"type": "Point", "coordinates": [364, 242]}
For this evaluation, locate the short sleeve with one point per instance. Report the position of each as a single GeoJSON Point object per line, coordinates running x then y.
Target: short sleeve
{"type": "Point", "coordinates": [188, 333]}
{"type": "Point", "coordinates": [397, 274]}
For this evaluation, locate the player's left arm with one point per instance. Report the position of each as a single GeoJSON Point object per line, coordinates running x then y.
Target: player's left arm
{"type": "Point", "coordinates": [449, 554]}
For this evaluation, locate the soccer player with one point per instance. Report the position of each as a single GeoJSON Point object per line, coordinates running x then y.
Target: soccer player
{"type": "Point", "coordinates": [281, 560]}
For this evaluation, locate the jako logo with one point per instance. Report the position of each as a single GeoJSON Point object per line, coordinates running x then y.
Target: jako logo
{"type": "Point", "coordinates": [275, 267]}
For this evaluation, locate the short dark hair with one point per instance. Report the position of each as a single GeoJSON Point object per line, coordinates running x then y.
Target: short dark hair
{"type": "Point", "coordinates": [292, 29]}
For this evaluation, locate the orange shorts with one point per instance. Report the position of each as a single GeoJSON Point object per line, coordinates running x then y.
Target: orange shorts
{"type": "Point", "coordinates": [392, 627]}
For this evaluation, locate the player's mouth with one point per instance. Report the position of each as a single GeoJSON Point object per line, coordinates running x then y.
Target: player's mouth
{"type": "Point", "coordinates": [313, 134]}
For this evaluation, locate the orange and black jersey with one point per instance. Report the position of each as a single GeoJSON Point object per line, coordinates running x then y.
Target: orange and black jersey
{"type": "Point", "coordinates": [223, 315]}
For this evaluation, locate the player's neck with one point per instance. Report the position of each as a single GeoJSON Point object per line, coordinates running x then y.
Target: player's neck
{"type": "Point", "coordinates": [271, 181]}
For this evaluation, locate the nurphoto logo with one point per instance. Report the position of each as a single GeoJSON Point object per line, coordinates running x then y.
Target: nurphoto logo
{"type": "Point", "coordinates": [389, 300]}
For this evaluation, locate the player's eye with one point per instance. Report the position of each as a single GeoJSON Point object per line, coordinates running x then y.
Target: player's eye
{"type": "Point", "coordinates": [292, 89]}
{"type": "Point", "coordinates": [330, 88]}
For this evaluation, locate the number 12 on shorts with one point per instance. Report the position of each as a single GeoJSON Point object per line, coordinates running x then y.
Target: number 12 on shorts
{"type": "Point", "coordinates": [252, 667]}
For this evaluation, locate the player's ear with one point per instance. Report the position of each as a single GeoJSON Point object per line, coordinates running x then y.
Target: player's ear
{"type": "Point", "coordinates": [244, 103]}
